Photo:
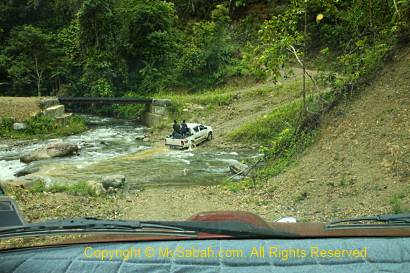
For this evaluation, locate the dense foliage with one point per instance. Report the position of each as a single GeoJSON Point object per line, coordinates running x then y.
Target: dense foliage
{"type": "Point", "coordinates": [114, 48]}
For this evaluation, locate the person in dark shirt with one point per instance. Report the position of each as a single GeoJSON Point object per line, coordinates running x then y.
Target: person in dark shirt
{"type": "Point", "coordinates": [184, 128]}
{"type": "Point", "coordinates": [177, 130]}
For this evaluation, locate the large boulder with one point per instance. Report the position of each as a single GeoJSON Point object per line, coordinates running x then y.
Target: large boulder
{"type": "Point", "coordinates": [52, 150]}
{"type": "Point", "coordinates": [238, 168]}
{"type": "Point", "coordinates": [113, 181]}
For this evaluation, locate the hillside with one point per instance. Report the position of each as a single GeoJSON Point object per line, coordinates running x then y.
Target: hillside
{"type": "Point", "coordinates": [360, 163]}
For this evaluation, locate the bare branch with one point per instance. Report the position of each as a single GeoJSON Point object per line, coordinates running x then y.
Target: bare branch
{"type": "Point", "coordinates": [293, 50]}
{"type": "Point", "coordinates": [396, 8]}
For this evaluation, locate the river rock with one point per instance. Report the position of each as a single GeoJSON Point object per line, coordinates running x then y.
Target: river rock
{"type": "Point", "coordinates": [113, 181]}
{"type": "Point", "coordinates": [238, 168]}
{"type": "Point", "coordinates": [146, 139]}
{"type": "Point", "coordinates": [19, 126]}
{"type": "Point", "coordinates": [140, 137]}
{"type": "Point", "coordinates": [96, 187]}
{"type": "Point", "coordinates": [52, 150]}
{"type": "Point", "coordinates": [26, 171]}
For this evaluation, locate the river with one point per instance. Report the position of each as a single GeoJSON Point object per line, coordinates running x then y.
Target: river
{"type": "Point", "coordinates": [109, 146]}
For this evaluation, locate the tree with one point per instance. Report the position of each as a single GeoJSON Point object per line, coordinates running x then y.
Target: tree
{"type": "Point", "coordinates": [97, 30]}
{"type": "Point", "coordinates": [29, 57]}
{"type": "Point", "coordinates": [280, 38]}
{"type": "Point", "coordinates": [207, 50]}
{"type": "Point", "coordinates": [148, 42]}
{"type": "Point", "coordinates": [195, 8]}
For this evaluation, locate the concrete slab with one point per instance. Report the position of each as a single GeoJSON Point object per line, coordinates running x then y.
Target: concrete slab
{"type": "Point", "coordinates": [54, 111]}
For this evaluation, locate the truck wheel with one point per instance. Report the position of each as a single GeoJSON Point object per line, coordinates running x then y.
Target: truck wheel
{"type": "Point", "coordinates": [210, 136]}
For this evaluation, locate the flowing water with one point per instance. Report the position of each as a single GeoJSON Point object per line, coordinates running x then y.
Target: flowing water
{"type": "Point", "coordinates": [109, 147]}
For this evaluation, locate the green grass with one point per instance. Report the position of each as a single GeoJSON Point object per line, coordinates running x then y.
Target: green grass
{"type": "Point", "coordinates": [266, 128]}
{"type": "Point", "coordinates": [288, 89]}
{"type": "Point", "coordinates": [79, 188]}
{"type": "Point", "coordinates": [42, 127]}
{"type": "Point", "coordinates": [214, 97]}
{"type": "Point", "coordinates": [280, 157]}
{"type": "Point", "coordinates": [38, 186]}
{"type": "Point", "coordinates": [209, 100]}
{"type": "Point", "coordinates": [237, 186]}
{"type": "Point", "coordinates": [396, 203]}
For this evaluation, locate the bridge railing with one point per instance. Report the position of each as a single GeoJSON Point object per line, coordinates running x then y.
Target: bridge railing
{"type": "Point", "coordinates": [101, 100]}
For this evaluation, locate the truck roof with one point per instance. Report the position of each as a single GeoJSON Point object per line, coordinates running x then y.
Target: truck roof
{"type": "Point", "coordinates": [192, 125]}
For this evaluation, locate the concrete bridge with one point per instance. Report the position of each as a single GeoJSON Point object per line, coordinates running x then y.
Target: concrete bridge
{"type": "Point", "coordinates": [155, 109]}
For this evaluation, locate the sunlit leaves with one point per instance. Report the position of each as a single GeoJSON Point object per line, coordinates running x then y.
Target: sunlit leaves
{"type": "Point", "coordinates": [276, 37]}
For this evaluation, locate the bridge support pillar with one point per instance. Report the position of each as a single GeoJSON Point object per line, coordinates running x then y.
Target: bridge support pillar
{"type": "Point", "coordinates": [156, 112]}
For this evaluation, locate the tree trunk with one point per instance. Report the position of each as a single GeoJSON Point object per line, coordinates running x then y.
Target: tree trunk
{"type": "Point", "coordinates": [303, 63]}
{"type": "Point", "coordinates": [39, 87]}
{"type": "Point", "coordinates": [371, 18]}
{"type": "Point", "coordinates": [38, 77]}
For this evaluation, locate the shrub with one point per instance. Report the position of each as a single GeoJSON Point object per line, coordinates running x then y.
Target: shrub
{"type": "Point", "coordinates": [6, 125]}
{"type": "Point", "coordinates": [396, 203]}
{"type": "Point", "coordinates": [40, 125]}
{"type": "Point", "coordinates": [75, 125]}
{"type": "Point", "coordinates": [38, 187]}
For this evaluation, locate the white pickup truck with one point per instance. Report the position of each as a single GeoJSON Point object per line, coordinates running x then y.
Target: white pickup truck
{"type": "Point", "coordinates": [197, 133]}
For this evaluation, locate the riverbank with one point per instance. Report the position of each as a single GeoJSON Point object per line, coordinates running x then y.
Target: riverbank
{"type": "Point", "coordinates": [164, 203]}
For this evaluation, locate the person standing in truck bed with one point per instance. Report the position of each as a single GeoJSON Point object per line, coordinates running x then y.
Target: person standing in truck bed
{"type": "Point", "coordinates": [184, 129]}
{"type": "Point", "coordinates": [177, 130]}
